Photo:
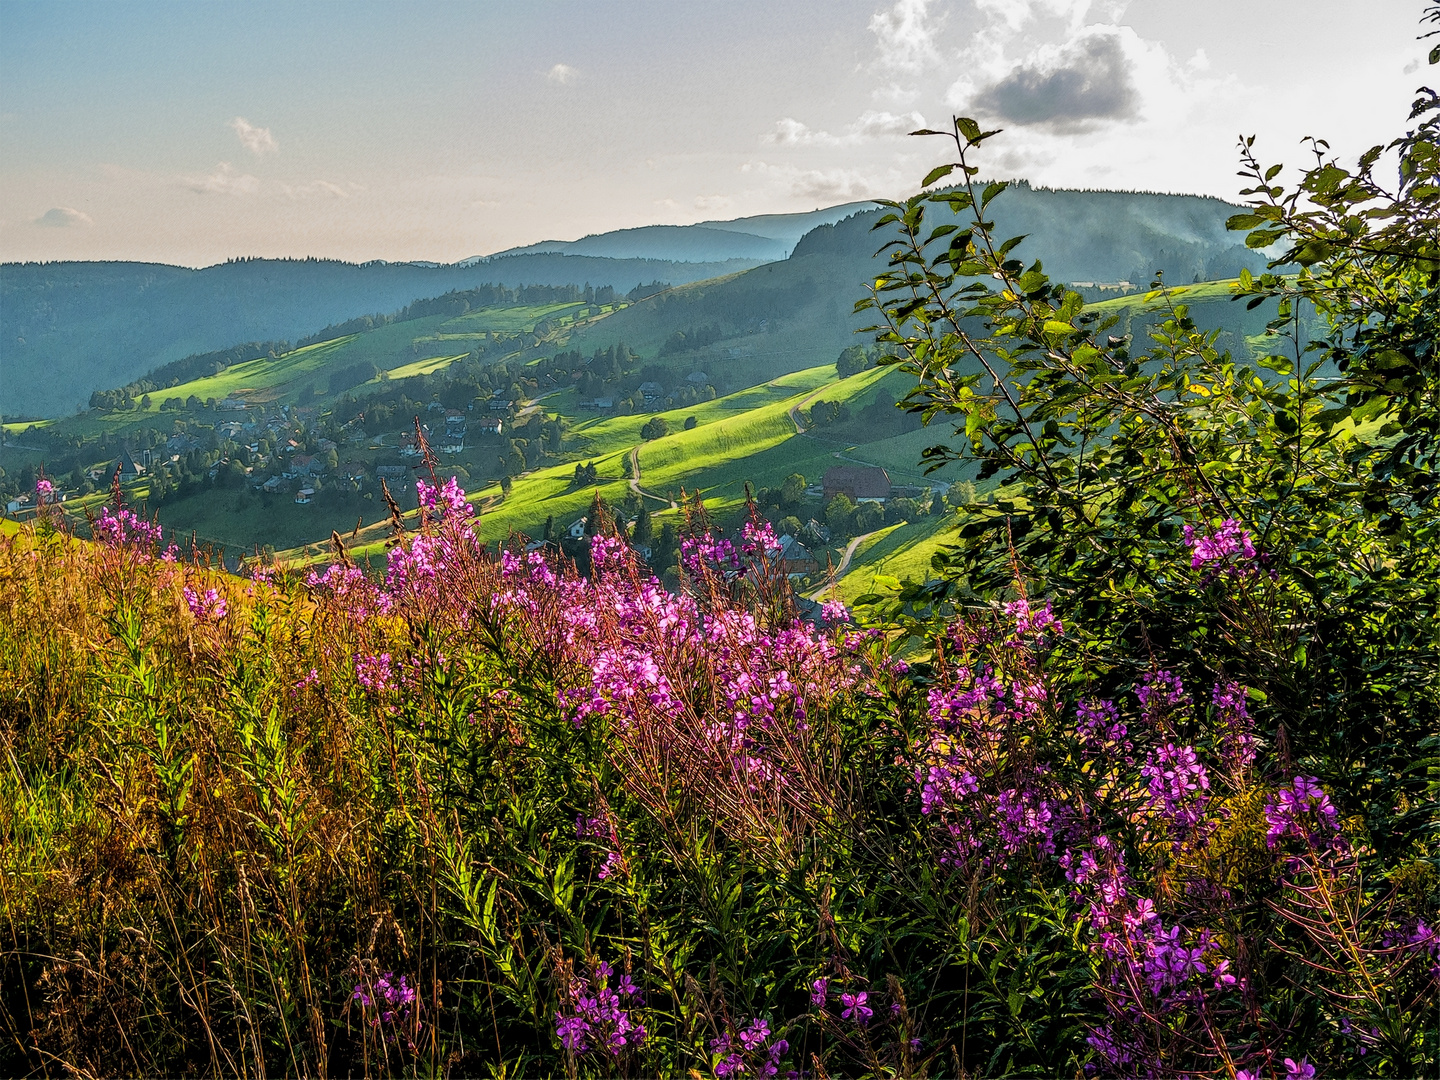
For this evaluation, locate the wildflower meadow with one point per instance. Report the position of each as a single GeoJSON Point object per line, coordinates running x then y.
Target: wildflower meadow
{"type": "Point", "coordinates": [1143, 783]}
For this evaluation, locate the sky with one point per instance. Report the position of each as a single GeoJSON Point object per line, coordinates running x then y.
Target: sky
{"type": "Point", "coordinates": [189, 133]}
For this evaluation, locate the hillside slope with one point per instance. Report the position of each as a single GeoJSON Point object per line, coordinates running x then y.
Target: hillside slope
{"type": "Point", "coordinates": [67, 329]}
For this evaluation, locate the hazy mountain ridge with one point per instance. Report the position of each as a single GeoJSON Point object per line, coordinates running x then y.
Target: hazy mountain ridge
{"type": "Point", "coordinates": [766, 237]}
{"type": "Point", "coordinates": [89, 326]}
{"type": "Point", "coordinates": [681, 243]}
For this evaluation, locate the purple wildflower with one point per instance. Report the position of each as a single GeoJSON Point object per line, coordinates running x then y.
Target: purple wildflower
{"type": "Point", "coordinates": [1231, 543]}
{"type": "Point", "coordinates": [856, 1009]}
{"type": "Point", "coordinates": [1286, 814]}
{"type": "Point", "coordinates": [208, 606]}
{"type": "Point", "coordinates": [819, 991]}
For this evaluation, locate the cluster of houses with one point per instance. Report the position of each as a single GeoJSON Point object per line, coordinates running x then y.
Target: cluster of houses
{"type": "Point", "coordinates": [653, 394]}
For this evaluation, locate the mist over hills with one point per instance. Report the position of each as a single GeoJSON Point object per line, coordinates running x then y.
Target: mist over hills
{"type": "Point", "coordinates": [67, 329]}
{"type": "Point", "coordinates": [1094, 236]}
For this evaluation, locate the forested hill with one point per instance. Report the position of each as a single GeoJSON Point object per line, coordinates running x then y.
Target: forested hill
{"type": "Point", "coordinates": [796, 313]}
{"type": "Point", "coordinates": [1094, 236]}
{"type": "Point", "coordinates": [69, 328]}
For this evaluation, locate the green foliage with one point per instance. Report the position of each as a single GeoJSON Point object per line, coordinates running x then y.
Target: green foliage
{"type": "Point", "coordinates": [1112, 455]}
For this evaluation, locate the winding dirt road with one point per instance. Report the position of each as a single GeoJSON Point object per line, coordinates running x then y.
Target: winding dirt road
{"type": "Point", "coordinates": [635, 480]}
{"type": "Point", "coordinates": [849, 553]}
{"type": "Point", "coordinates": [794, 410]}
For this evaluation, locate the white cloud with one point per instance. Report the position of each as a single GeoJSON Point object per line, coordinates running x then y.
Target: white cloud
{"type": "Point", "coordinates": [878, 125]}
{"type": "Point", "coordinates": [562, 74]}
{"type": "Point", "coordinates": [257, 140]}
{"type": "Point", "coordinates": [223, 181]}
{"type": "Point", "coordinates": [1068, 67]}
{"type": "Point", "coordinates": [712, 202]}
{"type": "Point", "coordinates": [63, 217]}
{"type": "Point", "coordinates": [906, 36]}
{"type": "Point", "coordinates": [791, 132]}
{"type": "Point", "coordinates": [870, 125]}
{"type": "Point", "coordinates": [316, 188]}
{"type": "Point", "coordinates": [822, 185]}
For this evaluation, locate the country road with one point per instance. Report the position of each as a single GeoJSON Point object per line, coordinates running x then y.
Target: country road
{"type": "Point", "coordinates": [635, 480]}
{"type": "Point", "coordinates": [819, 593]}
{"type": "Point", "coordinates": [794, 410]}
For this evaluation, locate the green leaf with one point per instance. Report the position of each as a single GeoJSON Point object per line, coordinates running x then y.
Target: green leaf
{"type": "Point", "coordinates": [937, 173]}
{"type": "Point", "coordinates": [968, 128]}
{"type": "Point", "coordinates": [1239, 222]}
{"type": "Point", "coordinates": [1263, 237]}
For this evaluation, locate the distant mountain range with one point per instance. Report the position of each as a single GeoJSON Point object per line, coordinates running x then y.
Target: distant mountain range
{"type": "Point", "coordinates": [765, 238]}
{"type": "Point", "coordinates": [69, 328]}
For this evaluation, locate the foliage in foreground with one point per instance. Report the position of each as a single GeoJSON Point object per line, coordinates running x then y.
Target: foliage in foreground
{"type": "Point", "coordinates": [491, 816]}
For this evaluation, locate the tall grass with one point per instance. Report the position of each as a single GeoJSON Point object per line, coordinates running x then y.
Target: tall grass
{"type": "Point", "coordinates": [489, 818]}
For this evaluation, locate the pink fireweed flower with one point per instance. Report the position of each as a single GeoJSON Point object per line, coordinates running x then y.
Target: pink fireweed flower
{"type": "Point", "coordinates": [444, 501]}
{"type": "Point", "coordinates": [44, 490]}
{"type": "Point", "coordinates": [697, 553]}
{"type": "Point", "coordinates": [1031, 622]}
{"type": "Point", "coordinates": [607, 551]}
{"type": "Point", "coordinates": [1098, 724]}
{"type": "Point", "coordinates": [1160, 691]}
{"type": "Point", "coordinates": [819, 991]}
{"type": "Point", "coordinates": [391, 1005]}
{"type": "Point", "coordinates": [350, 586]}
{"type": "Point", "coordinates": [595, 1016]}
{"type": "Point", "coordinates": [125, 528]}
{"type": "Point", "coordinates": [208, 606]}
{"type": "Point", "coordinates": [834, 611]}
{"type": "Point", "coordinates": [1286, 814]}
{"type": "Point", "coordinates": [855, 1008]}
{"type": "Point", "coordinates": [1177, 783]}
{"type": "Point", "coordinates": [375, 673]}
{"type": "Point", "coordinates": [759, 540]}
{"type": "Point", "coordinates": [1230, 543]}
{"type": "Point", "coordinates": [1237, 741]}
